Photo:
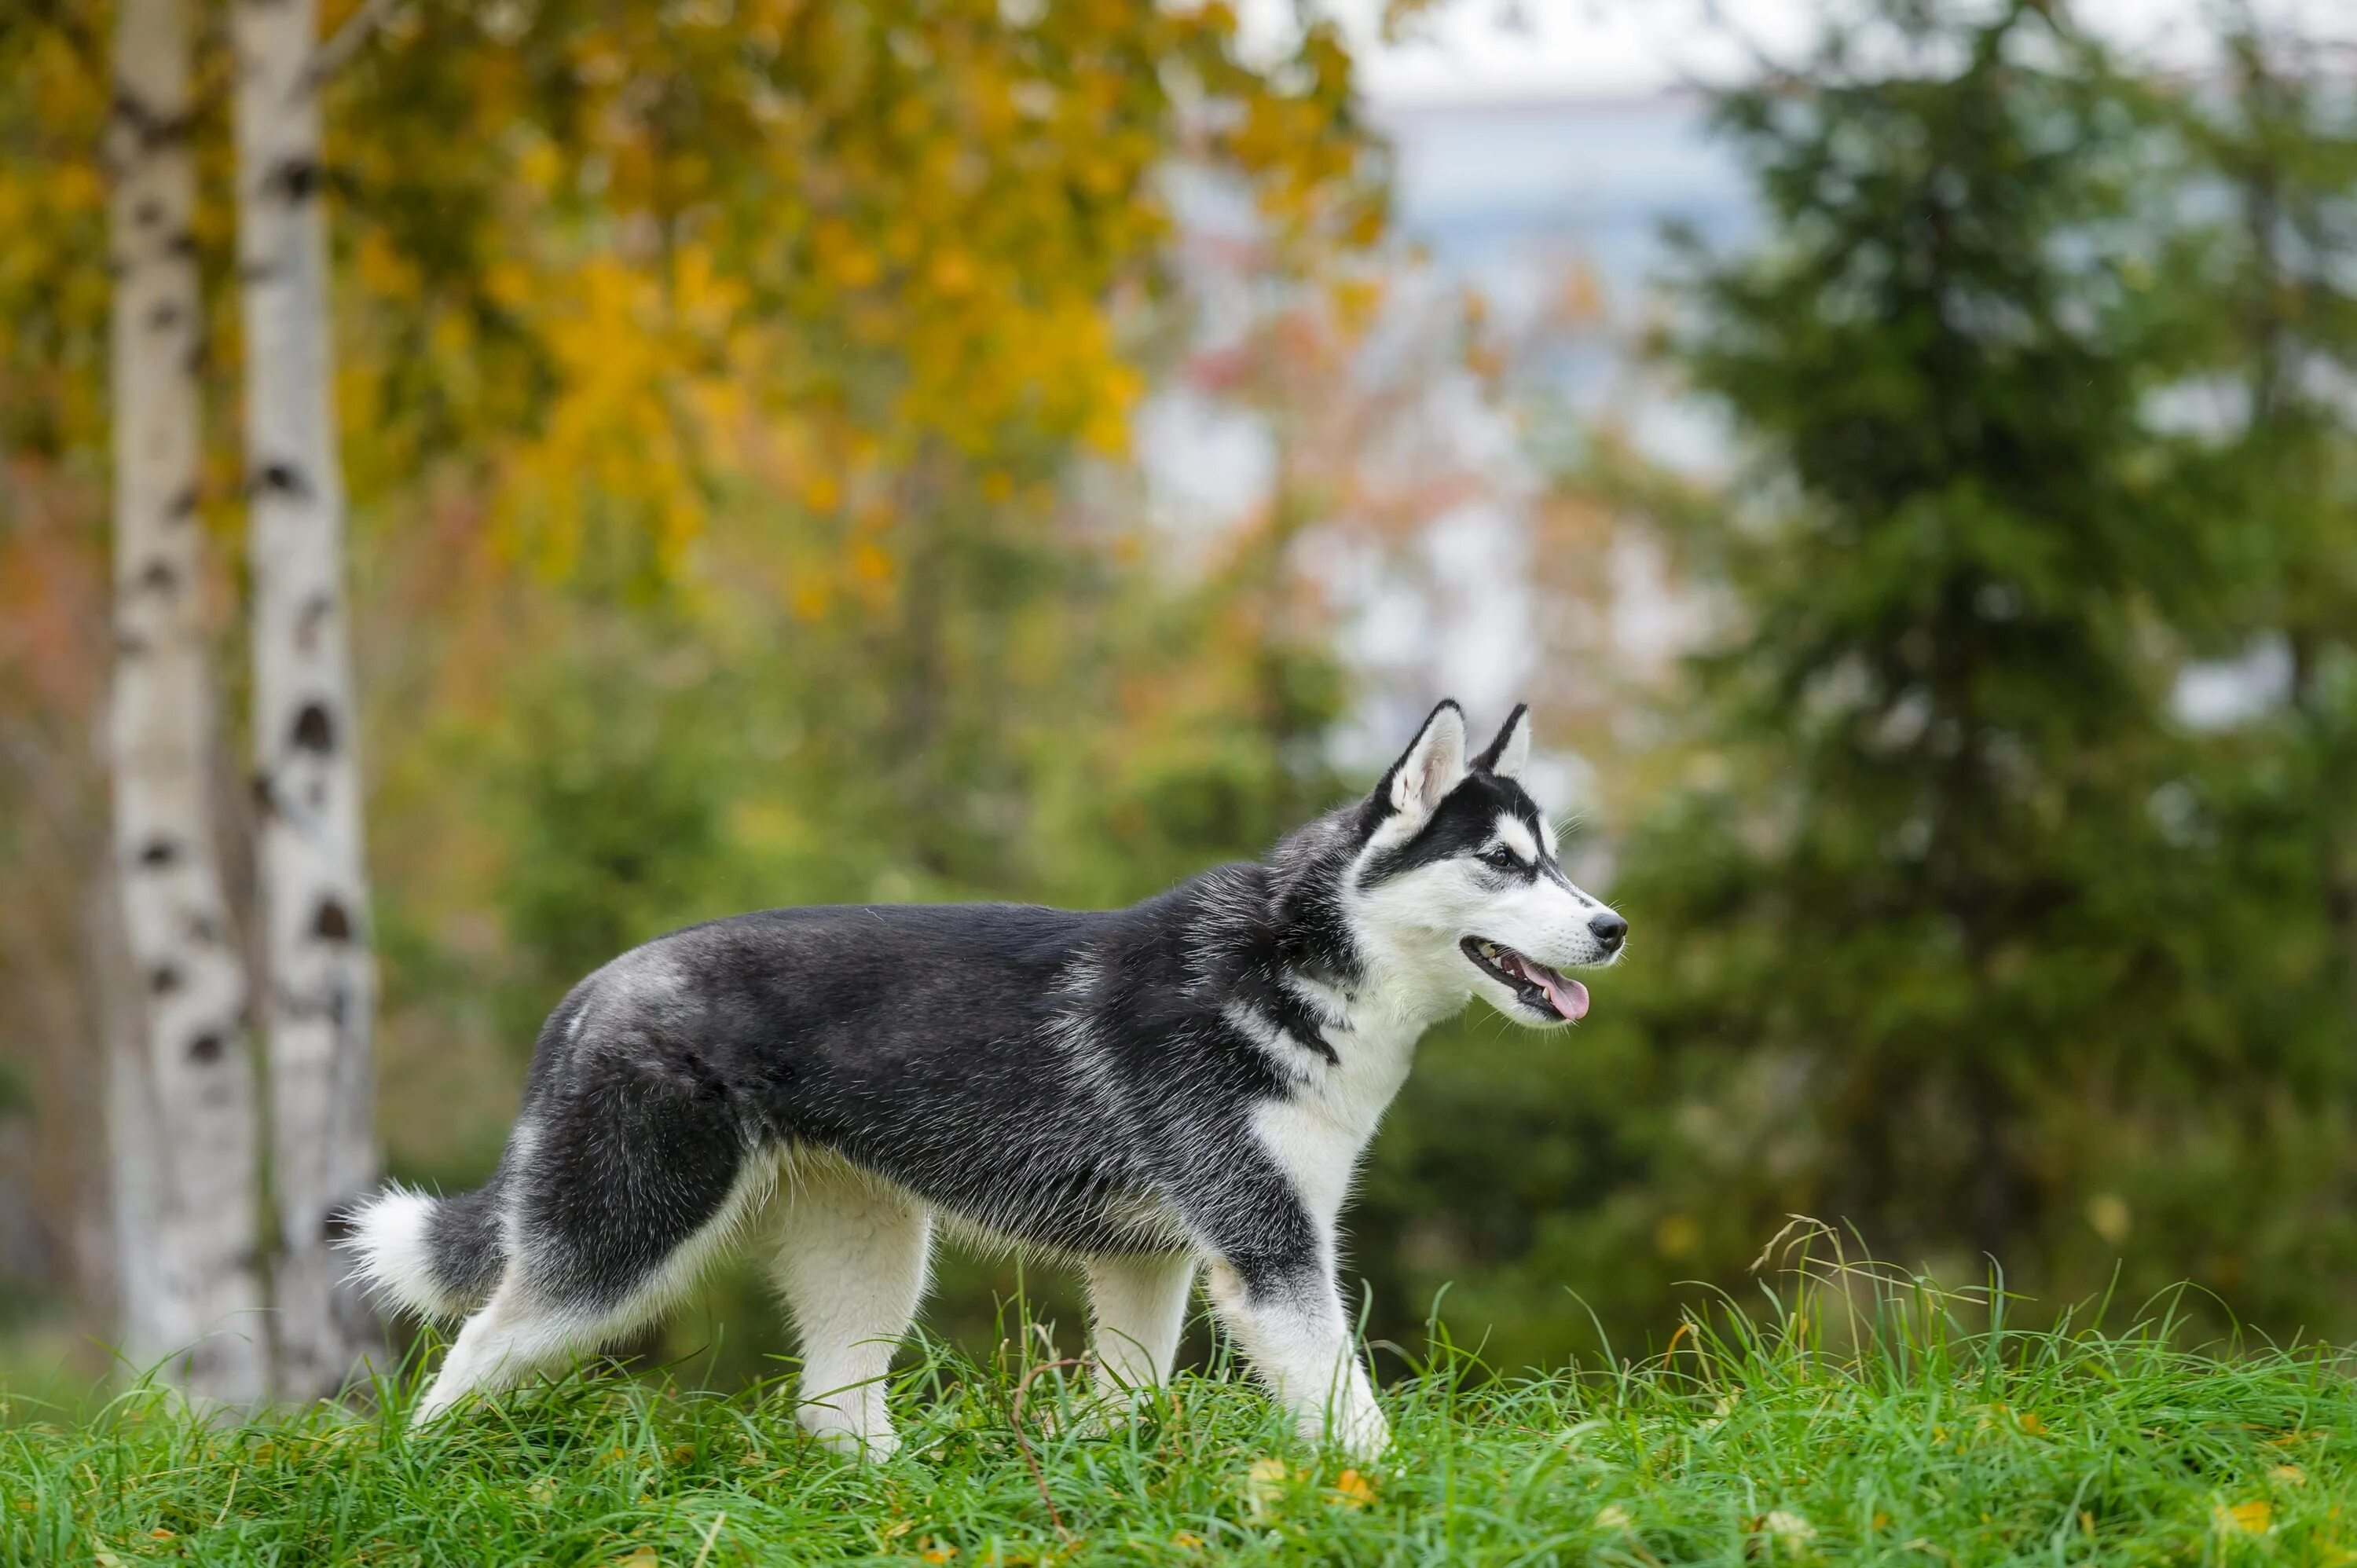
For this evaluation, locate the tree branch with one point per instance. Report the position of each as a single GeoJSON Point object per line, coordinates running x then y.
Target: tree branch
{"type": "Point", "coordinates": [338, 51]}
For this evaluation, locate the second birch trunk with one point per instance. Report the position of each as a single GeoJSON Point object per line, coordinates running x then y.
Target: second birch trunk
{"type": "Point", "coordinates": [319, 990]}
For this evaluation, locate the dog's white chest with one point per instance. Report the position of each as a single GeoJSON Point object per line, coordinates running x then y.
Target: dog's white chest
{"type": "Point", "coordinates": [1317, 1135]}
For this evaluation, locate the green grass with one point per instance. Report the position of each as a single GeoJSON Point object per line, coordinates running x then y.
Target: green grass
{"type": "Point", "coordinates": [1867, 1417]}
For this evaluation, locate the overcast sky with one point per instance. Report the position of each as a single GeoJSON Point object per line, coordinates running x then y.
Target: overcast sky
{"type": "Point", "coordinates": [1490, 49]}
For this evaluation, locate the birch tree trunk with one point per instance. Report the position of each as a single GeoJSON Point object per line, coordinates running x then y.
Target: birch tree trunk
{"type": "Point", "coordinates": [182, 1114]}
{"type": "Point", "coordinates": [319, 993]}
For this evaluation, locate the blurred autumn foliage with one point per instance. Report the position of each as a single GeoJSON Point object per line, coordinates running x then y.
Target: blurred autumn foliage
{"type": "Point", "coordinates": [737, 401]}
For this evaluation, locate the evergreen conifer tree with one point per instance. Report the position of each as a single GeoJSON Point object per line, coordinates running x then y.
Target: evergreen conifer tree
{"type": "Point", "coordinates": [1914, 884]}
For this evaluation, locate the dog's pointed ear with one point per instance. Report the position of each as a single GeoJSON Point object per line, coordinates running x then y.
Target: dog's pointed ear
{"type": "Point", "coordinates": [1432, 765]}
{"type": "Point", "coordinates": [1511, 748]}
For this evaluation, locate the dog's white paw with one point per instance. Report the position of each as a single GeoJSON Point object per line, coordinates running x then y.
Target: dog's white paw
{"type": "Point", "coordinates": [855, 1435]}
{"type": "Point", "coordinates": [1357, 1427]}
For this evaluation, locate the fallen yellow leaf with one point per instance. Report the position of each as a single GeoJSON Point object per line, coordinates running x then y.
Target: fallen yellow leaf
{"type": "Point", "coordinates": [2289, 1474]}
{"type": "Point", "coordinates": [1353, 1490]}
{"type": "Point", "coordinates": [1265, 1484]}
{"type": "Point", "coordinates": [933, 1550]}
{"type": "Point", "coordinates": [2254, 1518]}
{"type": "Point", "coordinates": [1611, 1516]}
{"type": "Point", "coordinates": [1185, 1541]}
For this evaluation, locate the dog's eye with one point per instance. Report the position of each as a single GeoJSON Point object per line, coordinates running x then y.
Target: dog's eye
{"type": "Point", "coordinates": [1502, 857]}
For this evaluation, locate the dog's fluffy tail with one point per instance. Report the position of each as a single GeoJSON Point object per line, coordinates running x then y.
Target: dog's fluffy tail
{"type": "Point", "coordinates": [436, 1257]}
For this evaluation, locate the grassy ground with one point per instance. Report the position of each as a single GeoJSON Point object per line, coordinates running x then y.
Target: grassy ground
{"type": "Point", "coordinates": [1891, 1424]}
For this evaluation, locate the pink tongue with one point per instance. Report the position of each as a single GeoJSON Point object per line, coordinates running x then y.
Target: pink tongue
{"type": "Point", "coordinates": [1570, 997]}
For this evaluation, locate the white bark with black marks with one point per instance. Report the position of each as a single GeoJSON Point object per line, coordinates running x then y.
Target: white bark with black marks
{"type": "Point", "coordinates": [319, 993]}
{"type": "Point", "coordinates": [181, 1115]}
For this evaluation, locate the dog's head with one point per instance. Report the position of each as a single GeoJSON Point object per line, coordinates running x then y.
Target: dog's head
{"type": "Point", "coordinates": [1458, 880]}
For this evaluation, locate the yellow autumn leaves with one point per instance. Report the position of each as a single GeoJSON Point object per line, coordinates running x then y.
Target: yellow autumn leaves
{"type": "Point", "coordinates": [772, 253]}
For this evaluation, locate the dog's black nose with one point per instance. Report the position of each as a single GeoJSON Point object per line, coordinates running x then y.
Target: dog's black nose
{"type": "Point", "coordinates": [1610, 929]}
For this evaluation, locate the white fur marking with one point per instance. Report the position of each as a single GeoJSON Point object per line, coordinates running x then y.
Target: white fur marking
{"type": "Point", "coordinates": [392, 1259]}
{"type": "Point", "coordinates": [1295, 1055]}
{"type": "Point", "coordinates": [1511, 833]}
{"type": "Point", "coordinates": [1316, 1133]}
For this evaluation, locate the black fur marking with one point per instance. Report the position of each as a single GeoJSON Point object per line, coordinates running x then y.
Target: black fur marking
{"type": "Point", "coordinates": [462, 1236]}
{"type": "Point", "coordinates": [158, 851]}
{"type": "Point", "coordinates": [206, 1049]}
{"type": "Point", "coordinates": [1488, 760]}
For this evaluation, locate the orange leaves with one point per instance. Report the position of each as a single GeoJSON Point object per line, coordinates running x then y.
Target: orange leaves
{"type": "Point", "coordinates": [951, 273]}
{"type": "Point", "coordinates": [871, 567]}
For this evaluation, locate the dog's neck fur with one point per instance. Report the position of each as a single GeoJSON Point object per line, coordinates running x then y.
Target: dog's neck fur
{"type": "Point", "coordinates": [1306, 925]}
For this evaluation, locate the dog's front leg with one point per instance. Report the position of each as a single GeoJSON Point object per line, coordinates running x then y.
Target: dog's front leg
{"type": "Point", "coordinates": [1285, 1313]}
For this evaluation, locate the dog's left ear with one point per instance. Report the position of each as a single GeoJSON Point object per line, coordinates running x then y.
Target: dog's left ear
{"type": "Point", "coordinates": [1511, 748]}
{"type": "Point", "coordinates": [1432, 765]}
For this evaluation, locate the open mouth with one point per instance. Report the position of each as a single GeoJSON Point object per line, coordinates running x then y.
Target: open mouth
{"type": "Point", "coordinates": [1537, 987]}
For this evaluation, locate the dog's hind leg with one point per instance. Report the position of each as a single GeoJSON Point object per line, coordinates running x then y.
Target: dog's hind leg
{"type": "Point", "coordinates": [619, 1197]}
{"type": "Point", "coordinates": [851, 1253]}
{"type": "Point", "coordinates": [1138, 1303]}
{"type": "Point", "coordinates": [512, 1337]}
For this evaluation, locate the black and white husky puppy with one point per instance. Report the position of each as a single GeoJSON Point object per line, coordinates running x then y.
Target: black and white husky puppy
{"type": "Point", "coordinates": [1186, 1082]}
